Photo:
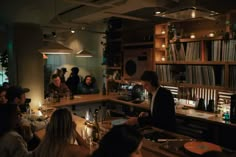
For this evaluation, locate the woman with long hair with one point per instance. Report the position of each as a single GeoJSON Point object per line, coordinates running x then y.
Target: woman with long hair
{"type": "Point", "coordinates": [88, 86]}
{"type": "Point", "coordinates": [120, 141]}
{"type": "Point", "coordinates": [12, 143]}
{"type": "Point", "coordinates": [60, 136]}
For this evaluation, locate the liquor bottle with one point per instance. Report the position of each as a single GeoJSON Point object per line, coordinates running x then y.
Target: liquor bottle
{"type": "Point", "coordinates": [71, 96]}
{"type": "Point", "coordinates": [104, 89]}
{"type": "Point", "coordinates": [233, 109]}
{"type": "Point", "coordinates": [210, 106]}
{"type": "Point", "coordinates": [201, 105]}
{"type": "Point", "coordinates": [96, 129]}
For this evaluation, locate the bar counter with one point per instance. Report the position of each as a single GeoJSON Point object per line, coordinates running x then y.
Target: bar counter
{"type": "Point", "coordinates": [180, 111]}
{"type": "Point", "coordinates": [150, 148]}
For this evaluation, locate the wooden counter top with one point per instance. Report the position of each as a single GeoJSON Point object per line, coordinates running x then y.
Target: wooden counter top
{"type": "Point", "coordinates": [81, 99]}
{"type": "Point", "coordinates": [150, 149]}
{"type": "Point", "coordinates": [93, 98]}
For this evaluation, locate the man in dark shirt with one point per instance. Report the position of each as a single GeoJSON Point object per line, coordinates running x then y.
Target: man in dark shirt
{"type": "Point", "coordinates": [57, 88]}
{"type": "Point", "coordinates": [162, 107]}
{"type": "Point", "coordinates": [88, 86]}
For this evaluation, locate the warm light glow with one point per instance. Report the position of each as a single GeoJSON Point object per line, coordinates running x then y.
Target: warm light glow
{"type": "Point", "coordinates": [163, 58]}
{"type": "Point", "coordinates": [45, 56]}
{"type": "Point", "coordinates": [157, 12]}
{"type": "Point", "coordinates": [163, 45]}
{"type": "Point", "coordinates": [211, 34]}
{"type": "Point", "coordinates": [193, 14]}
{"type": "Point", "coordinates": [163, 32]}
{"type": "Point", "coordinates": [192, 36]}
{"type": "Point", "coordinates": [39, 113]}
{"type": "Point", "coordinates": [72, 31]}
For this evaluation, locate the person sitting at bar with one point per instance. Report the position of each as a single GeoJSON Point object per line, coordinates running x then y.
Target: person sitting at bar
{"type": "Point", "coordinates": [6, 85]}
{"type": "Point", "coordinates": [16, 95]}
{"type": "Point", "coordinates": [3, 92]}
{"type": "Point", "coordinates": [12, 143]}
{"type": "Point", "coordinates": [120, 141]}
{"type": "Point", "coordinates": [88, 86]}
{"type": "Point", "coordinates": [57, 88]}
{"type": "Point", "coordinates": [60, 136]}
{"type": "Point", "coordinates": [162, 106]}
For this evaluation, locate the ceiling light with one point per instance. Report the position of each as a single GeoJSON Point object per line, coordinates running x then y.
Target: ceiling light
{"type": "Point", "coordinates": [52, 47]}
{"type": "Point", "coordinates": [45, 56]}
{"type": "Point", "coordinates": [83, 53]}
{"type": "Point", "coordinates": [72, 31]}
{"type": "Point", "coordinates": [188, 12]}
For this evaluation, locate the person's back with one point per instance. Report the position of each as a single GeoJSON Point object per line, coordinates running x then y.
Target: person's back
{"type": "Point", "coordinates": [74, 80]}
{"type": "Point", "coordinates": [60, 136]}
{"type": "Point", "coordinates": [12, 143]}
{"type": "Point", "coordinates": [72, 150]}
{"type": "Point", "coordinates": [120, 141]}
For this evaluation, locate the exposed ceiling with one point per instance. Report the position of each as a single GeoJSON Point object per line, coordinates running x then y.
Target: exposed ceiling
{"type": "Point", "coordinates": [79, 13]}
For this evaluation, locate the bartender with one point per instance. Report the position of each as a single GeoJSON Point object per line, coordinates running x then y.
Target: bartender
{"type": "Point", "coordinates": [162, 107]}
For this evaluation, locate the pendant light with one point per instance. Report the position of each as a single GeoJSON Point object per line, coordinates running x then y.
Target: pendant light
{"type": "Point", "coordinates": [83, 53]}
{"type": "Point", "coordinates": [53, 47]}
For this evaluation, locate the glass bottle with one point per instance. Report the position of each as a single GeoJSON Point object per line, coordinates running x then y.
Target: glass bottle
{"type": "Point", "coordinates": [210, 106]}
{"type": "Point", "coordinates": [201, 105]}
{"type": "Point", "coordinates": [95, 132]}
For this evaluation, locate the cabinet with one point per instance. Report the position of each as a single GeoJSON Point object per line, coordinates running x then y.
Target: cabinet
{"type": "Point", "coordinates": [113, 54]}
{"type": "Point", "coordinates": [137, 49]}
{"type": "Point", "coordinates": [206, 63]}
{"type": "Point", "coordinates": [130, 45]}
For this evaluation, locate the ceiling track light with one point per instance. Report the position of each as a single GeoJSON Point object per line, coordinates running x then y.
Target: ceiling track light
{"type": "Point", "coordinates": [72, 30]}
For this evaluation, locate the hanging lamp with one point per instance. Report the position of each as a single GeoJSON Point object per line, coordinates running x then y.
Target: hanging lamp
{"type": "Point", "coordinates": [53, 47]}
{"type": "Point", "coordinates": [83, 53]}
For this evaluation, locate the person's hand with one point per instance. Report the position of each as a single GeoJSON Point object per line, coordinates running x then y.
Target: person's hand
{"type": "Point", "coordinates": [143, 114]}
{"type": "Point", "coordinates": [132, 121]}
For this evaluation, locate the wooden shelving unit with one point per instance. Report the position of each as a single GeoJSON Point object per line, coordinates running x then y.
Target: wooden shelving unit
{"type": "Point", "coordinates": [208, 64]}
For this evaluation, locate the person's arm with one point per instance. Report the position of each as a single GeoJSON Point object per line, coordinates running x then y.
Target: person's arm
{"type": "Point", "coordinates": [78, 138]}
{"type": "Point", "coordinates": [17, 145]}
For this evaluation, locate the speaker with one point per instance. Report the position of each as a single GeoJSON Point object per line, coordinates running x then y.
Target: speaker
{"type": "Point", "coordinates": [136, 61]}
